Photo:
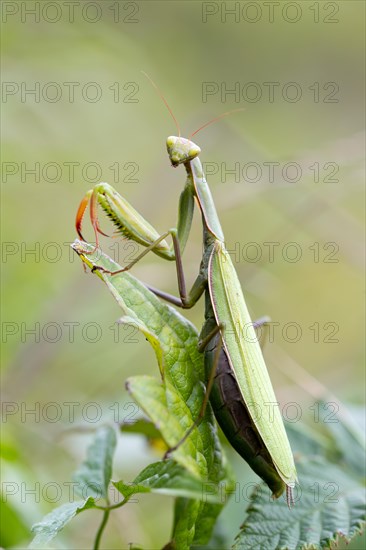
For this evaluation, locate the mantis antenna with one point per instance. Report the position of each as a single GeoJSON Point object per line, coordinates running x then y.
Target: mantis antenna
{"type": "Point", "coordinates": [165, 101]}
{"type": "Point", "coordinates": [216, 119]}
{"type": "Point", "coordinates": [172, 114]}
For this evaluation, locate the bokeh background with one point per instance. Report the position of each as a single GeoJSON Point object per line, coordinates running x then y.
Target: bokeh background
{"type": "Point", "coordinates": [67, 376]}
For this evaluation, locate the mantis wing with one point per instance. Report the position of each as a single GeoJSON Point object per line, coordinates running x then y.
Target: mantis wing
{"type": "Point", "coordinates": [246, 359]}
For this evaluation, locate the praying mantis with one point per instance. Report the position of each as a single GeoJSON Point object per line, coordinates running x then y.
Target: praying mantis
{"type": "Point", "coordinates": [237, 381]}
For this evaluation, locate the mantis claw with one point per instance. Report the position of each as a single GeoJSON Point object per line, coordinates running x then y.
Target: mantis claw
{"type": "Point", "coordinates": [80, 213]}
{"type": "Point", "coordinates": [90, 198]}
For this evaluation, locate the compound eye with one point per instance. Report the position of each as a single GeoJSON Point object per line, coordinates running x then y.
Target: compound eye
{"type": "Point", "coordinates": [194, 151]}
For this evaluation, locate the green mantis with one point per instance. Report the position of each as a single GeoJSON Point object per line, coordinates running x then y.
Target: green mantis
{"type": "Point", "coordinates": [238, 383]}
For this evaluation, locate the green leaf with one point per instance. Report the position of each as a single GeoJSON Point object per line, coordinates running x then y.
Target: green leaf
{"type": "Point", "coordinates": [93, 479]}
{"type": "Point", "coordinates": [307, 440]}
{"type": "Point", "coordinates": [186, 513]}
{"type": "Point", "coordinates": [348, 441]}
{"type": "Point", "coordinates": [13, 529]}
{"type": "Point", "coordinates": [143, 427]}
{"type": "Point", "coordinates": [218, 540]}
{"type": "Point", "coordinates": [206, 517]}
{"type": "Point", "coordinates": [94, 474]}
{"type": "Point", "coordinates": [169, 478]}
{"type": "Point", "coordinates": [153, 397]}
{"type": "Point", "coordinates": [56, 520]}
{"type": "Point", "coordinates": [329, 503]}
{"type": "Point", "coordinates": [174, 403]}
{"type": "Point", "coordinates": [174, 340]}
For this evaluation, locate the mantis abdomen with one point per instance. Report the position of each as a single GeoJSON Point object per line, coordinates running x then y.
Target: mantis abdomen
{"type": "Point", "coordinates": [235, 421]}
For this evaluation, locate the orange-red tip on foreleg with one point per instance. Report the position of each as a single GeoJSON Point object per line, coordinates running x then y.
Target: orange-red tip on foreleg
{"type": "Point", "coordinates": [80, 213]}
{"type": "Point", "coordinates": [94, 215]}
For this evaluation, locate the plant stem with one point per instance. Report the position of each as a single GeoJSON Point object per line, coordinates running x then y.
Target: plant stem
{"type": "Point", "coordinates": [118, 505]}
{"type": "Point", "coordinates": [101, 529]}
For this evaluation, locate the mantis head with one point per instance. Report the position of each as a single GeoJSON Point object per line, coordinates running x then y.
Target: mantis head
{"type": "Point", "coordinates": [181, 150]}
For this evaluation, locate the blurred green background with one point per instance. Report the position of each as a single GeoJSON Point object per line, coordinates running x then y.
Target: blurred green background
{"type": "Point", "coordinates": [71, 370]}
